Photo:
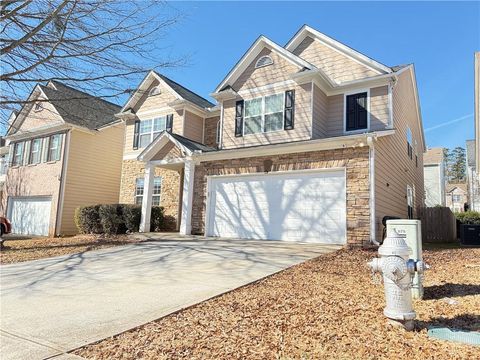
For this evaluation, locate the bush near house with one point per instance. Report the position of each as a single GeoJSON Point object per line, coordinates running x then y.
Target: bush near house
{"type": "Point", "coordinates": [468, 217]}
{"type": "Point", "coordinates": [113, 219]}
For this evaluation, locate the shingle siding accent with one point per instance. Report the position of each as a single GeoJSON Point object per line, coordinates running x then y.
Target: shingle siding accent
{"type": "Point", "coordinates": [354, 160]}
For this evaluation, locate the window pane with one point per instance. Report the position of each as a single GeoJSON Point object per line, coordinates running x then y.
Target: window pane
{"type": "Point", "coordinates": [139, 186]}
{"type": "Point", "coordinates": [138, 200]}
{"type": "Point", "coordinates": [253, 107]}
{"type": "Point", "coordinates": [145, 140]}
{"type": "Point", "coordinates": [156, 200]}
{"type": "Point", "coordinates": [35, 151]}
{"type": "Point", "coordinates": [274, 122]}
{"type": "Point", "coordinates": [54, 148]}
{"type": "Point", "coordinates": [253, 125]}
{"type": "Point", "coordinates": [159, 124]}
{"type": "Point", "coordinates": [145, 126]}
{"type": "Point", "coordinates": [157, 185]}
{"type": "Point", "coordinates": [273, 103]}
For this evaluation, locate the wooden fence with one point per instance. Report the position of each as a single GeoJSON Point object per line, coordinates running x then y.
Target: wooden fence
{"type": "Point", "coordinates": [438, 224]}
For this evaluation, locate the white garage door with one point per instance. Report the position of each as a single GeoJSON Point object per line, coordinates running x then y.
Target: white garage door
{"type": "Point", "coordinates": [30, 215]}
{"type": "Point", "coordinates": [303, 206]}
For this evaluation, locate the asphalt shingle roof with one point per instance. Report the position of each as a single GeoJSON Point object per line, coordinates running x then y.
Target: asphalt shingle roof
{"type": "Point", "coordinates": [192, 145]}
{"type": "Point", "coordinates": [187, 94]}
{"type": "Point", "coordinates": [80, 108]}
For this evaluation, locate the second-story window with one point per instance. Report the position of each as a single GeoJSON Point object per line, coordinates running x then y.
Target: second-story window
{"type": "Point", "coordinates": [54, 147]}
{"type": "Point", "coordinates": [264, 114]}
{"type": "Point", "coordinates": [356, 113]}
{"type": "Point", "coordinates": [35, 151]}
{"type": "Point", "coordinates": [150, 129]}
{"type": "Point", "coordinates": [17, 158]}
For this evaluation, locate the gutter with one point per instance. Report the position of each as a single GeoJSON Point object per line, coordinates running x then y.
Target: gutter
{"type": "Point", "coordinates": [371, 170]}
{"type": "Point", "coordinates": [61, 191]}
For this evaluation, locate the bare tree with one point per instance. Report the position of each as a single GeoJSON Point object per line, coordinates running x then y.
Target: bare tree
{"type": "Point", "coordinates": [98, 46]}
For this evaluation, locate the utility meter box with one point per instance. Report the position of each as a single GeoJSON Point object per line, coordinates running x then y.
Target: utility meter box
{"type": "Point", "coordinates": [413, 231]}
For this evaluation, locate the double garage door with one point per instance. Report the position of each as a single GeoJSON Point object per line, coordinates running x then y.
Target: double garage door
{"type": "Point", "coordinates": [30, 215]}
{"type": "Point", "coordinates": [301, 206]}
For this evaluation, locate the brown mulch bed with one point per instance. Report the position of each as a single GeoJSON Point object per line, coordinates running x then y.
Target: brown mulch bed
{"type": "Point", "coordinates": [324, 308]}
{"type": "Point", "coordinates": [38, 248]}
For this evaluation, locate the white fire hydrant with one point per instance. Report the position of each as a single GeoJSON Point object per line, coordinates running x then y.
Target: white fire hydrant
{"type": "Point", "coordinates": [397, 271]}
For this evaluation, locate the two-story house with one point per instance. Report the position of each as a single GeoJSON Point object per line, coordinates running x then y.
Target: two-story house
{"type": "Point", "coordinates": [310, 142]}
{"type": "Point", "coordinates": [434, 177]}
{"type": "Point", "coordinates": [457, 197]}
{"type": "Point", "coordinates": [65, 151]}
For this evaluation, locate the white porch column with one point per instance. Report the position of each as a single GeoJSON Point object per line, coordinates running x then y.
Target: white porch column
{"type": "Point", "coordinates": [147, 198]}
{"type": "Point", "coordinates": [187, 201]}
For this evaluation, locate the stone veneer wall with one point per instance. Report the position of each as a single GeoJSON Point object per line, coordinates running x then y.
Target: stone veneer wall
{"type": "Point", "coordinates": [169, 199]}
{"type": "Point", "coordinates": [355, 160]}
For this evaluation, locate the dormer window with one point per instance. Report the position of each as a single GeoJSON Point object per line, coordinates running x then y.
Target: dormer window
{"type": "Point", "coordinates": [264, 61]}
{"type": "Point", "coordinates": [155, 91]}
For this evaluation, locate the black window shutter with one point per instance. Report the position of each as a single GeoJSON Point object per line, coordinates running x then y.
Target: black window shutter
{"type": "Point", "coordinates": [357, 115]}
{"type": "Point", "coordinates": [289, 113]}
{"type": "Point", "coordinates": [239, 118]}
{"type": "Point", "coordinates": [169, 125]}
{"type": "Point", "coordinates": [136, 134]}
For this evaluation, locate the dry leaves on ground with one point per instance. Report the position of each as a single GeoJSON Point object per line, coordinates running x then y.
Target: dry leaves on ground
{"type": "Point", "coordinates": [38, 248]}
{"type": "Point", "coordinates": [324, 308]}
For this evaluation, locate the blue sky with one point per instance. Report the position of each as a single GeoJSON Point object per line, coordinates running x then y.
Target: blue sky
{"type": "Point", "coordinates": [438, 37]}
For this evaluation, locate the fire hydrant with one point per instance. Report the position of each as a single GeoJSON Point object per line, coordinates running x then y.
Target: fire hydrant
{"type": "Point", "coordinates": [397, 271]}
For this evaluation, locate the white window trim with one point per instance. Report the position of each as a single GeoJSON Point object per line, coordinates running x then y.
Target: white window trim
{"type": "Point", "coordinates": [263, 114]}
{"type": "Point", "coordinates": [257, 66]}
{"type": "Point", "coordinates": [353, 92]}
{"type": "Point", "coordinates": [30, 155]}
{"type": "Point", "coordinates": [21, 155]}
{"type": "Point", "coordinates": [135, 196]}
{"type": "Point", "coordinates": [57, 149]}
{"type": "Point", "coordinates": [151, 130]}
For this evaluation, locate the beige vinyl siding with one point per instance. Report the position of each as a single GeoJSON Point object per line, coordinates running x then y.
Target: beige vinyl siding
{"type": "Point", "coordinates": [336, 65]}
{"type": "Point", "coordinates": [48, 116]}
{"type": "Point", "coordinates": [320, 108]}
{"type": "Point", "coordinates": [210, 138]}
{"type": "Point", "coordinates": [148, 103]}
{"type": "Point", "coordinates": [379, 113]}
{"type": "Point", "coordinates": [130, 128]}
{"type": "Point", "coordinates": [394, 169]}
{"type": "Point", "coordinates": [93, 171]}
{"type": "Point", "coordinates": [193, 126]}
{"type": "Point", "coordinates": [335, 115]}
{"type": "Point", "coordinates": [301, 131]}
{"type": "Point", "coordinates": [280, 70]}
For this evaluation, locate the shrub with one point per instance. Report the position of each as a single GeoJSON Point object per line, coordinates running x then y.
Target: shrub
{"type": "Point", "coordinates": [110, 218]}
{"type": "Point", "coordinates": [131, 216]}
{"type": "Point", "coordinates": [87, 219]}
{"type": "Point", "coordinates": [468, 217]}
{"type": "Point", "coordinates": [157, 218]}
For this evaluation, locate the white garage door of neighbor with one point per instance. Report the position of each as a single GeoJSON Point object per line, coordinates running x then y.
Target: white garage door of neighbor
{"type": "Point", "coordinates": [30, 215]}
{"type": "Point", "coordinates": [302, 206]}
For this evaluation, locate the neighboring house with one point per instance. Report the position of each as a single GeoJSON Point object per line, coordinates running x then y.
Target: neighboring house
{"type": "Point", "coordinates": [65, 151]}
{"type": "Point", "coordinates": [311, 142]}
{"type": "Point", "coordinates": [3, 165]}
{"type": "Point", "coordinates": [457, 197]}
{"type": "Point", "coordinates": [473, 186]}
{"type": "Point", "coordinates": [434, 177]}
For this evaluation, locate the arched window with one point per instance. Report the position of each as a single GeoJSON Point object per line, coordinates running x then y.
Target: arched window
{"type": "Point", "coordinates": [155, 91]}
{"type": "Point", "coordinates": [264, 61]}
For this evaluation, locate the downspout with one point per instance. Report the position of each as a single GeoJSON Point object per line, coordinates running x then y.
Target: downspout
{"type": "Point", "coordinates": [61, 191]}
{"type": "Point", "coordinates": [371, 170]}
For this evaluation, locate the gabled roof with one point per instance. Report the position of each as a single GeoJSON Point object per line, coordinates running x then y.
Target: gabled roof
{"type": "Point", "coordinates": [252, 52]}
{"type": "Point", "coordinates": [461, 186]}
{"type": "Point", "coordinates": [186, 145]}
{"type": "Point", "coordinates": [306, 30]}
{"type": "Point", "coordinates": [74, 106]}
{"type": "Point", "coordinates": [179, 91]}
{"type": "Point", "coordinates": [80, 108]}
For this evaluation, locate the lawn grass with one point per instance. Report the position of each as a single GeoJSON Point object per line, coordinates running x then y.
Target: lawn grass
{"type": "Point", "coordinates": [326, 308]}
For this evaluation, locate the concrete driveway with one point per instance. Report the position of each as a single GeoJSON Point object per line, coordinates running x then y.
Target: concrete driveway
{"type": "Point", "coordinates": [52, 306]}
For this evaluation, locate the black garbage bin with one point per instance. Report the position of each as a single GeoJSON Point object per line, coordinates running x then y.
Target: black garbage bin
{"type": "Point", "coordinates": [470, 234]}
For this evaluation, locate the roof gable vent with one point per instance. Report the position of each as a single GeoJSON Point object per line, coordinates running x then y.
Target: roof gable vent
{"type": "Point", "coordinates": [263, 61]}
{"type": "Point", "coordinates": [155, 91]}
